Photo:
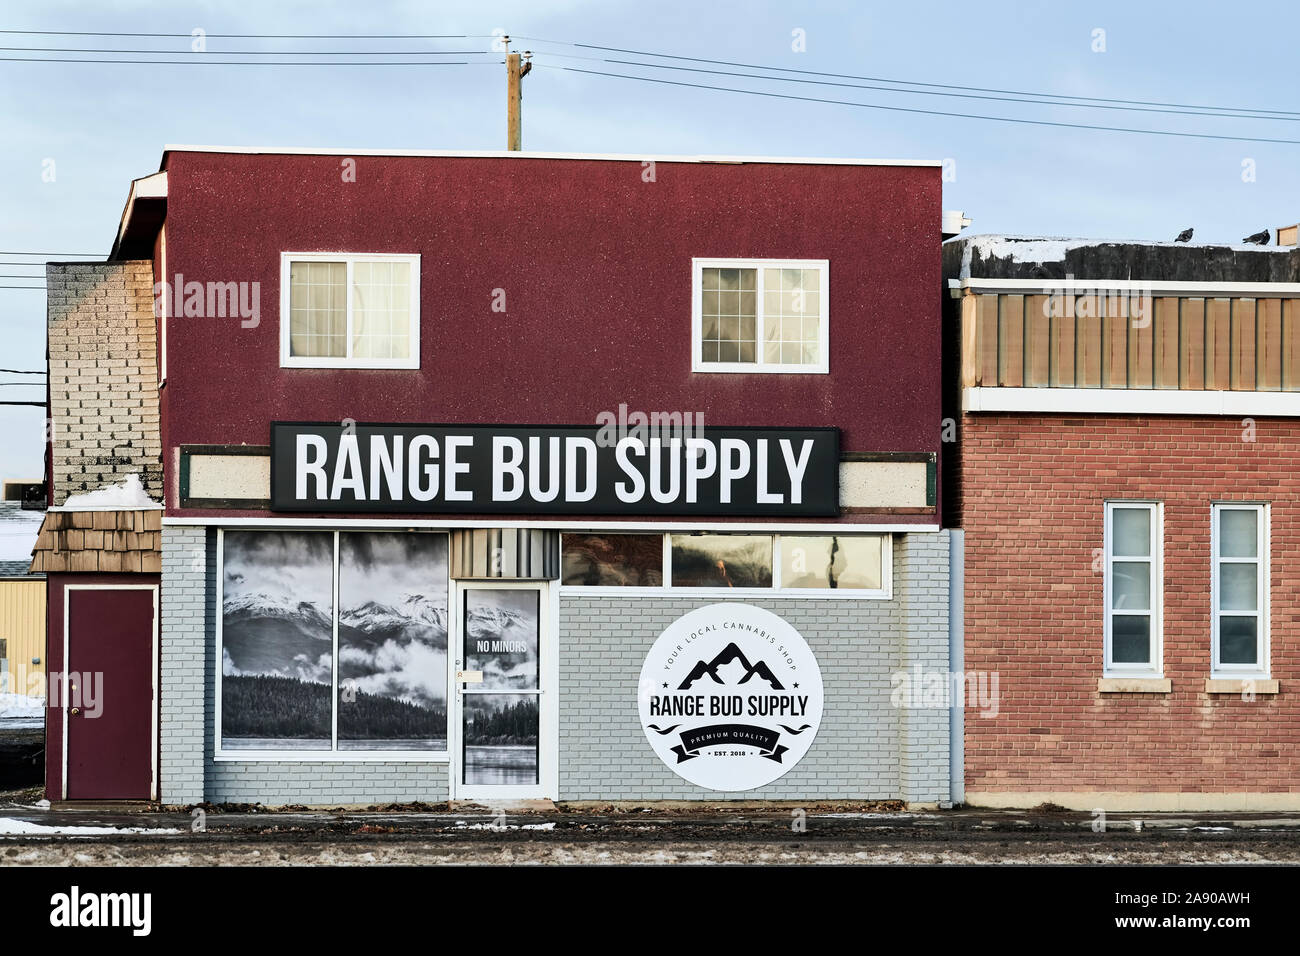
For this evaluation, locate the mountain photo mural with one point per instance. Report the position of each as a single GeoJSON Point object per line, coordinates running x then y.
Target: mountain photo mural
{"type": "Point", "coordinates": [392, 641]}
{"type": "Point", "coordinates": [277, 640]}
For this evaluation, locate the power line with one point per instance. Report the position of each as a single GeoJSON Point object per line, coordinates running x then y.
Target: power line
{"type": "Point", "coordinates": [37, 404]}
{"type": "Point", "coordinates": [880, 79]}
{"type": "Point", "coordinates": [41, 287]}
{"type": "Point", "coordinates": [22, 371]}
{"type": "Point", "coordinates": [73, 49]}
{"type": "Point", "coordinates": [2, 253]}
{"type": "Point", "coordinates": [262, 36]}
{"type": "Point", "coordinates": [945, 113]}
{"type": "Point", "coordinates": [964, 96]}
{"type": "Point", "coordinates": [19, 275]}
{"type": "Point", "coordinates": [207, 62]}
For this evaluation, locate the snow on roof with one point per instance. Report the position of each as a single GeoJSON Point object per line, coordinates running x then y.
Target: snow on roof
{"type": "Point", "coordinates": [130, 494]}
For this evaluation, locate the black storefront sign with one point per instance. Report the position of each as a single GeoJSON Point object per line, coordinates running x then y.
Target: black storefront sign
{"type": "Point", "coordinates": [546, 469]}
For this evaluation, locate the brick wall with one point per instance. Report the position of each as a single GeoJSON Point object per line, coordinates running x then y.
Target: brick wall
{"type": "Point", "coordinates": [103, 376]}
{"type": "Point", "coordinates": [1033, 514]}
{"type": "Point", "coordinates": [866, 748]}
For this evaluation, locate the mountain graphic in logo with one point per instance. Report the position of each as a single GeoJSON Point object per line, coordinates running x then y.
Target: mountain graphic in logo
{"type": "Point", "coordinates": [728, 654]}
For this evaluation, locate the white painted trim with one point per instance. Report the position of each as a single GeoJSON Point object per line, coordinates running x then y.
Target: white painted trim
{"type": "Point", "coordinates": [1156, 668]}
{"type": "Point", "coordinates": [156, 701]}
{"type": "Point", "coordinates": [548, 621]}
{"type": "Point", "coordinates": [398, 524]}
{"type": "Point", "coordinates": [1131, 401]}
{"type": "Point", "coordinates": [153, 186]}
{"type": "Point", "coordinates": [519, 154]}
{"type": "Point", "coordinates": [1261, 670]}
{"type": "Point", "coordinates": [758, 366]}
{"type": "Point", "coordinates": [350, 259]}
{"type": "Point", "coordinates": [1193, 288]}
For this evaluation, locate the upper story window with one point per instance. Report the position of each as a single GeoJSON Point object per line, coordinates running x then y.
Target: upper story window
{"type": "Point", "coordinates": [1239, 590]}
{"type": "Point", "coordinates": [760, 315]}
{"type": "Point", "coordinates": [1133, 584]}
{"type": "Point", "coordinates": [349, 310]}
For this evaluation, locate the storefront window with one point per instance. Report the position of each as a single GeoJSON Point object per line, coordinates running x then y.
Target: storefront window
{"type": "Point", "coordinates": [392, 641]}
{"type": "Point", "coordinates": [614, 560]}
{"type": "Point", "coordinates": [285, 683]}
{"type": "Point", "coordinates": [722, 560]}
{"type": "Point", "coordinates": [832, 562]}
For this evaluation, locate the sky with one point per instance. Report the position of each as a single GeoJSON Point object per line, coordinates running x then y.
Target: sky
{"type": "Point", "coordinates": [76, 134]}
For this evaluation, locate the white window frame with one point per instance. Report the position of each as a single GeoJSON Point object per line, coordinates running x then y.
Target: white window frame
{"type": "Point", "coordinates": [758, 366]}
{"type": "Point", "coordinates": [1156, 666]}
{"type": "Point", "coordinates": [1262, 667]}
{"type": "Point", "coordinates": [221, 755]}
{"type": "Point", "coordinates": [883, 593]}
{"type": "Point", "coordinates": [350, 259]}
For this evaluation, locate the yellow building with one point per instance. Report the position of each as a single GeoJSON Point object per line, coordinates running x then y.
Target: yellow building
{"type": "Point", "coordinates": [22, 604]}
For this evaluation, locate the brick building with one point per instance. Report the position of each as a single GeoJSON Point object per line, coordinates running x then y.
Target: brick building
{"type": "Point", "coordinates": [1129, 419]}
{"type": "Point", "coordinates": [451, 488]}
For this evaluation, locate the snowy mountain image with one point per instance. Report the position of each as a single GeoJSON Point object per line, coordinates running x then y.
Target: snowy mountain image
{"type": "Point", "coordinates": [265, 634]}
{"type": "Point", "coordinates": [398, 650]}
{"type": "Point", "coordinates": [413, 609]}
{"type": "Point", "coordinates": [490, 620]}
{"type": "Point", "coordinates": [501, 637]}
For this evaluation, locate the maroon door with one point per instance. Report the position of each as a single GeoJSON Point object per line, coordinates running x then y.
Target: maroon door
{"type": "Point", "coordinates": [108, 702]}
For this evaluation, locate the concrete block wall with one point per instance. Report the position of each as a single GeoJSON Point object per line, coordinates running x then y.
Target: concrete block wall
{"type": "Point", "coordinates": [866, 748]}
{"type": "Point", "coordinates": [103, 376]}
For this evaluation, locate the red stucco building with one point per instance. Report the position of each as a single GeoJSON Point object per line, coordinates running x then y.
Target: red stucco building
{"type": "Point", "coordinates": [445, 444]}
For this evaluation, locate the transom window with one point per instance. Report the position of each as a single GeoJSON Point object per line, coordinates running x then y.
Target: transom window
{"type": "Point", "coordinates": [1133, 589]}
{"type": "Point", "coordinates": [1238, 590]}
{"type": "Point", "coordinates": [812, 565]}
{"type": "Point", "coordinates": [349, 311]}
{"type": "Point", "coordinates": [760, 315]}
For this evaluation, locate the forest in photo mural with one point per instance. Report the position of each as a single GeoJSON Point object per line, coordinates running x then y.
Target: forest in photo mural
{"type": "Point", "coordinates": [277, 641]}
{"type": "Point", "coordinates": [392, 641]}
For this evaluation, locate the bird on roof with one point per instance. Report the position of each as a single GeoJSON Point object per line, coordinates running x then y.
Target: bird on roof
{"type": "Point", "coordinates": [1184, 236]}
{"type": "Point", "coordinates": [1258, 239]}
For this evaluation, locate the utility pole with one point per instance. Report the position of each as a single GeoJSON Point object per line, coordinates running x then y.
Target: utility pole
{"type": "Point", "coordinates": [514, 76]}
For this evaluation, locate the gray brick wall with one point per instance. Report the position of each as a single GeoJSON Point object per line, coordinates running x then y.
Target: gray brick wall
{"type": "Point", "coordinates": [866, 748]}
{"type": "Point", "coordinates": [103, 376]}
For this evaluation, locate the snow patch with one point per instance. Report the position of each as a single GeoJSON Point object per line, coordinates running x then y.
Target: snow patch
{"type": "Point", "coordinates": [19, 705]}
{"type": "Point", "coordinates": [11, 827]}
{"type": "Point", "coordinates": [129, 494]}
{"type": "Point", "coordinates": [462, 825]}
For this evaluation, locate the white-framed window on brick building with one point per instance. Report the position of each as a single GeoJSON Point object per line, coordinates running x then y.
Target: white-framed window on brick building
{"type": "Point", "coordinates": [1133, 589]}
{"type": "Point", "coordinates": [1239, 544]}
{"type": "Point", "coordinates": [760, 315]}
{"type": "Point", "coordinates": [349, 310]}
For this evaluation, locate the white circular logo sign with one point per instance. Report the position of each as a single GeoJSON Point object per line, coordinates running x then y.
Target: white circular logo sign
{"type": "Point", "coordinates": [730, 697]}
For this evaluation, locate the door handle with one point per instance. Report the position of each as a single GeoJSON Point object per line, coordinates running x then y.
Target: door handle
{"type": "Point", "coordinates": [75, 711]}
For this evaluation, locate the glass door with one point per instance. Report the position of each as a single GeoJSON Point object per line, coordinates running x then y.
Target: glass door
{"type": "Point", "coordinates": [499, 678]}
